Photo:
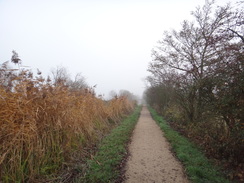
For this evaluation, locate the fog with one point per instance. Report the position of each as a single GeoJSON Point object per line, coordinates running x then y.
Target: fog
{"type": "Point", "coordinates": [109, 42]}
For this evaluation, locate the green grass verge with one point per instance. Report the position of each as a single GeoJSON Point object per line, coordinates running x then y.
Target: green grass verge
{"type": "Point", "coordinates": [198, 168]}
{"type": "Point", "coordinates": [104, 166]}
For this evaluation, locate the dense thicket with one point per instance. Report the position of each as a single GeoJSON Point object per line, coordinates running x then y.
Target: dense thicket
{"type": "Point", "coordinates": [197, 79]}
{"type": "Point", "coordinates": [46, 123]}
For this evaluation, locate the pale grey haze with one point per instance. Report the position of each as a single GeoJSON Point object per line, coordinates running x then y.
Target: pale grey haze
{"type": "Point", "coordinates": [108, 41]}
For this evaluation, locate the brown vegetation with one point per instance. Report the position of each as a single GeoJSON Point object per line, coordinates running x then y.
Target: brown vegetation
{"type": "Point", "coordinates": [43, 124]}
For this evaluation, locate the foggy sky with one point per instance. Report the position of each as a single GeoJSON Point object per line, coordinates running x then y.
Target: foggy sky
{"type": "Point", "coordinates": [108, 41]}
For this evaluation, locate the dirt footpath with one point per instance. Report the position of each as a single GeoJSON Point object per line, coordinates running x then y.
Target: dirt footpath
{"type": "Point", "coordinates": [150, 159]}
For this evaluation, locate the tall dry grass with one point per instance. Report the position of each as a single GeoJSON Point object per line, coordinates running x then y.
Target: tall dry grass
{"type": "Point", "coordinates": [41, 125]}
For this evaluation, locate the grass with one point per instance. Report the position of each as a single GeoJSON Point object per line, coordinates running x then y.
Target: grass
{"type": "Point", "coordinates": [198, 168]}
{"type": "Point", "coordinates": [104, 167]}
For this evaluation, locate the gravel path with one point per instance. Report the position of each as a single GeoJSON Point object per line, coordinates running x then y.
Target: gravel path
{"type": "Point", "coordinates": [150, 159]}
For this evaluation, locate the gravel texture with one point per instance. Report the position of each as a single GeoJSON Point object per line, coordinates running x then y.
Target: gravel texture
{"type": "Point", "coordinates": [150, 157]}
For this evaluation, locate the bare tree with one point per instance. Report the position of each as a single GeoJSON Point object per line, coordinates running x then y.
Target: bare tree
{"type": "Point", "coordinates": [197, 75]}
{"type": "Point", "coordinates": [129, 95]}
{"type": "Point", "coordinates": [78, 84]}
{"type": "Point", "coordinates": [60, 76]}
{"type": "Point", "coordinates": [194, 50]}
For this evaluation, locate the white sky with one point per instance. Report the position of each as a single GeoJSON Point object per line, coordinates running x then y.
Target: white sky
{"type": "Point", "coordinates": [108, 41]}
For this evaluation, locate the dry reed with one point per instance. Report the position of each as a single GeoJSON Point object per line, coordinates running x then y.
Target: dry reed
{"type": "Point", "coordinates": [42, 124]}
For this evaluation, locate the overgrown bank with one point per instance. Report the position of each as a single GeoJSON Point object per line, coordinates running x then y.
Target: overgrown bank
{"type": "Point", "coordinates": [198, 168]}
{"type": "Point", "coordinates": [46, 125]}
{"type": "Point", "coordinates": [106, 165]}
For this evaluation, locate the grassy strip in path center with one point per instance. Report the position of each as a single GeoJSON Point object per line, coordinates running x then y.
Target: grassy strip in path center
{"type": "Point", "coordinates": [104, 167]}
{"type": "Point", "coordinates": [198, 168]}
